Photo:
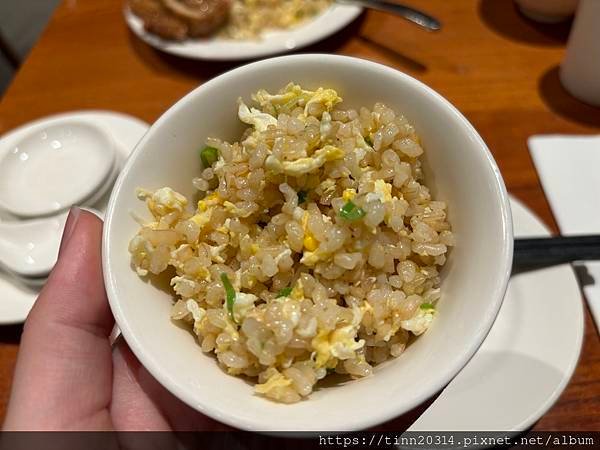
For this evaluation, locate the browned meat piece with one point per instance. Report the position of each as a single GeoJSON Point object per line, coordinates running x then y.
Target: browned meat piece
{"type": "Point", "coordinates": [157, 20]}
{"type": "Point", "coordinates": [202, 16]}
{"type": "Point", "coordinates": [146, 8]}
{"type": "Point", "coordinates": [167, 27]}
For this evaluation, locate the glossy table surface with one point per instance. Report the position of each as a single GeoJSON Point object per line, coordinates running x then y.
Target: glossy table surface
{"type": "Point", "coordinates": [498, 68]}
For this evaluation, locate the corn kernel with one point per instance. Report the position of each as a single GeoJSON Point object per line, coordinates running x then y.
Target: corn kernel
{"type": "Point", "coordinates": [310, 243]}
{"type": "Point", "coordinates": [349, 194]}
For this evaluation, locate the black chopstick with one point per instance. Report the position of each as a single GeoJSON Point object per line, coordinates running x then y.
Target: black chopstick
{"type": "Point", "coordinates": [543, 252]}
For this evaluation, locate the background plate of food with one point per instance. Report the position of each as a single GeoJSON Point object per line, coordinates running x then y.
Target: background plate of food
{"type": "Point", "coordinates": [235, 29]}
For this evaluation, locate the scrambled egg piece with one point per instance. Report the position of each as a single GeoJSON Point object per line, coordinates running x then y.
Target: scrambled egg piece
{"type": "Point", "coordinates": [242, 305]}
{"type": "Point", "coordinates": [277, 380]}
{"type": "Point", "coordinates": [312, 255]}
{"type": "Point", "coordinates": [294, 94]}
{"type": "Point", "coordinates": [209, 201]}
{"type": "Point", "coordinates": [198, 314]}
{"type": "Point", "coordinates": [219, 164]}
{"type": "Point", "coordinates": [140, 248]}
{"type": "Point", "coordinates": [224, 229]}
{"type": "Point", "coordinates": [184, 286]}
{"type": "Point", "coordinates": [291, 306]}
{"type": "Point", "coordinates": [325, 127]}
{"type": "Point", "coordinates": [202, 218]}
{"type": "Point", "coordinates": [327, 97]}
{"type": "Point", "coordinates": [233, 209]}
{"type": "Point", "coordinates": [382, 192]}
{"type": "Point", "coordinates": [304, 165]}
{"type": "Point", "coordinates": [327, 186]}
{"type": "Point", "coordinates": [310, 258]}
{"type": "Point", "coordinates": [339, 343]}
{"type": "Point", "coordinates": [205, 208]}
{"type": "Point", "coordinates": [230, 207]}
{"type": "Point", "coordinates": [163, 201]}
{"type": "Point", "coordinates": [252, 116]}
{"type": "Point", "coordinates": [420, 322]}
{"type": "Point", "coordinates": [215, 252]}
{"type": "Point", "coordinates": [310, 243]}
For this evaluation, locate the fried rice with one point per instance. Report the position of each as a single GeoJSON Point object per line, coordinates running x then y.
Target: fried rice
{"type": "Point", "coordinates": [315, 245]}
{"type": "Point", "coordinates": [249, 19]}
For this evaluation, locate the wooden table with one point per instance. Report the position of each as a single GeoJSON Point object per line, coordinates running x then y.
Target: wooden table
{"type": "Point", "coordinates": [498, 68]}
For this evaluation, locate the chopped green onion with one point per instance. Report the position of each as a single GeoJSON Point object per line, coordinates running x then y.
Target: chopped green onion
{"type": "Point", "coordinates": [302, 196]}
{"type": "Point", "coordinates": [427, 306]}
{"type": "Point", "coordinates": [351, 211]}
{"type": "Point", "coordinates": [209, 156]}
{"type": "Point", "coordinates": [285, 292]}
{"type": "Point", "coordinates": [229, 294]}
{"type": "Point", "coordinates": [369, 141]}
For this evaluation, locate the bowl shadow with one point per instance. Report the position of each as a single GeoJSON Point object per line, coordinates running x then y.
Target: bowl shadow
{"type": "Point", "coordinates": [558, 99]}
{"type": "Point", "coordinates": [166, 63]}
{"type": "Point", "coordinates": [504, 17]}
{"type": "Point", "coordinates": [11, 334]}
{"type": "Point", "coordinates": [395, 55]}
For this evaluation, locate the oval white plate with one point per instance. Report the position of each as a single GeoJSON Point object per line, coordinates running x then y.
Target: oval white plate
{"type": "Point", "coordinates": [17, 300]}
{"type": "Point", "coordinates": [273, 42]}
{"type": "Point", "coordinates": [33, 171]}
{"type": "Point", "coordinates": [528, 358]}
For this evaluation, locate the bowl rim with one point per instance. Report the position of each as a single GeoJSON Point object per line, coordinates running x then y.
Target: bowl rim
{"type": "Point", "coordinates": [384, 412]}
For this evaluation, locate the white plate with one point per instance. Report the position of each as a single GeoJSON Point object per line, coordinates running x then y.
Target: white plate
{"type": "Point", "coordinates": [34, 170]}
{"type": "Point", "coordinates": [271, 43]}
{"type": "Point", "coordinates": [17, 300]}
{"type": "Point", "coordinates": [527, 359]}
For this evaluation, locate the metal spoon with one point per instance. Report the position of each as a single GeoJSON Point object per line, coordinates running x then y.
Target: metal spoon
{"type": "Point", "coordinates": [415, 16]}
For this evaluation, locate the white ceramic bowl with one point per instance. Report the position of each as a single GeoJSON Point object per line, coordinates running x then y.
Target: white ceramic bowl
{"type": "Point", "coordinates": [461, 171]}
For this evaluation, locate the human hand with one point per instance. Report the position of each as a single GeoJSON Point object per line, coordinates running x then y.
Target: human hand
{"type": "Point", "coordinates": [68, 376]}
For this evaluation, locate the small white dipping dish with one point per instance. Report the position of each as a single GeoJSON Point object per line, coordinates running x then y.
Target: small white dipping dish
{"type": "Point", "coordinates": [52, 169]}
{"type": "Point", "coordinates": [459, 168]}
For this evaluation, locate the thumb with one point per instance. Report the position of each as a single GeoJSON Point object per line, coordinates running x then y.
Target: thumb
{"type": "Point", "coordinates": [74, 294]}
{"type": "Point", "coordinates": [64, 368]}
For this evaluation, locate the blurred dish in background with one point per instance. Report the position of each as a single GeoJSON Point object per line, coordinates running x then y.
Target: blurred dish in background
{"type": "Point", "coordinates": [580, 70]}
{"type": "Point", "coordinates": [18, 296]}
{"type": "Point", "coordinates": [178, 20]}
{"type": "Point", "coordinates": [246, 32]}
{"type": "Point", "coordinates": [547, 11]}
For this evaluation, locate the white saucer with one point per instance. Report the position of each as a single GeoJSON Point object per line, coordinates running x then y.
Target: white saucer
{"type": "Point", "coordinates": [34, 169]}
{"type": "Point", "coordinates": [527, 359]}
{"type": "Point", "coordinates": [17, 300]}
{"type": "Point", "coordinates": [332, 20]}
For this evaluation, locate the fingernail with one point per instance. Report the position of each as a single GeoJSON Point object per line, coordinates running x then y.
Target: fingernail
{"type": "Point", "coordinates": [70, 226]}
